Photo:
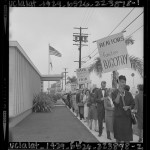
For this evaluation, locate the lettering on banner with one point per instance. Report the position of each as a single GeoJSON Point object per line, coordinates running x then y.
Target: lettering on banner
{"type": "Point", "coordinates": [113, 53]}
{"type": "Point", "coordinates": [112, 41]}
{"type": "Point", "coordinates": [116, 61]}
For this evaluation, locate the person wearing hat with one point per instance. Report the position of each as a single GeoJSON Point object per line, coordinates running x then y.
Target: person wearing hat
{"type": "Point", "coordinates": [123, 103]}
{"type": "Point", "coordinates": [100, 96]}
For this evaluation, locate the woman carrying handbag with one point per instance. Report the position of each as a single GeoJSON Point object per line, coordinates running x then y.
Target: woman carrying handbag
{"type": "Point", "coordinates": [123, 102]}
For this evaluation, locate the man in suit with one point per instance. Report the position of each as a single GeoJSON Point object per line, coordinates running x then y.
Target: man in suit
{"type": "Point", "coordinates": [100, 96]}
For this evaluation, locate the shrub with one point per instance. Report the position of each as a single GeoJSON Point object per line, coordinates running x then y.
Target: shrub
{"type": "Point", "coordinates": [43, 103]}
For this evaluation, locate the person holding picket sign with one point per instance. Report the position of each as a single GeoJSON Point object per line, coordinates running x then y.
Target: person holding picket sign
{"type": "Point", "coordinates": [123, 102]}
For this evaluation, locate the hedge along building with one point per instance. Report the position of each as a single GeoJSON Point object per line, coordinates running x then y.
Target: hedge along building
{"type": "Point", "coordinates": [25, 81]}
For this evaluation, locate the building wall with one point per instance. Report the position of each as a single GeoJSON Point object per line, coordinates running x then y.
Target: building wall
{"type": "Point", "coordinates": [24, 82]}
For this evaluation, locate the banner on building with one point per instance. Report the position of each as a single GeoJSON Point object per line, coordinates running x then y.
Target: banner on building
{"type": "Point", "coordinates": [113, 53]}
{"type": "Point", "coordinates": [83, 75]}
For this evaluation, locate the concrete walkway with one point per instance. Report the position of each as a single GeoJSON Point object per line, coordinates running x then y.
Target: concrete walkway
{"type": "Point", "coordinates": [58, 126]}
{"type": "Point", "coordinates": [103, 138]}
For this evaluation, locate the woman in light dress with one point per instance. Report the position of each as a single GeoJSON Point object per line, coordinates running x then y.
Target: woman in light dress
{"type": "Point", "coordinates": [74, 104]}
{"type": "Point", "coordinates": [109, 114]}
{"type": "Point", "coordinates": [86, 108]}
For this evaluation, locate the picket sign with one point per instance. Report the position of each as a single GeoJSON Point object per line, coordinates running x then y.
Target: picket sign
{"type": "Point", "coordinates": [113, 53]}
{"type": "Point", "coordinates": [83, 75]}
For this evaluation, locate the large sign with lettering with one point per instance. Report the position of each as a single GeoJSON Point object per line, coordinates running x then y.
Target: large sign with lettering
{"type": "Point", "coordinates": [113, 53]}
{"type": "Point", "coordinates": [83, 75]}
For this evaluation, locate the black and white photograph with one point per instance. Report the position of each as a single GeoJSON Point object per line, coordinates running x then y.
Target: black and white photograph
{"type": "Point", "coordinates": [76, 74]}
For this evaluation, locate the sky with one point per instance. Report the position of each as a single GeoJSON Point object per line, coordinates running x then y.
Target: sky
{"type": "Point", "coordinates": [35, 28]}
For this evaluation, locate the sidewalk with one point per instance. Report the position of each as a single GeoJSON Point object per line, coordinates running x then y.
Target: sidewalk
{"type": "Point", "coordinates": [103, 138]}
{"type": "Point", "coordinates": [61, 125]}
{"type": "Point", "coordinates": [58, 126]}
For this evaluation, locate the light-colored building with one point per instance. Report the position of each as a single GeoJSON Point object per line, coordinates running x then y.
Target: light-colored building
{"type": "Point", "coordinates": [25, 82]}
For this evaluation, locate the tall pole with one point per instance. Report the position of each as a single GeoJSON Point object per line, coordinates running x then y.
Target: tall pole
{"type": "Point", "coordinates": [80, 49]}
{"type": "Point", "coordinates": [65, 77]}
{"type": "Point", "coordinates": [62, 83]}
{"type": "Point", "coordinates": [81, 36]}
{"type": "Point", "coordinates": [48, 70]}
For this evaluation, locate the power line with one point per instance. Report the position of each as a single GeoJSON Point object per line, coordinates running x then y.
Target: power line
{"type": "Point", "coordinates": [116, 26]}
{"type": "Point", "coordinates": [125, 27]}
{"type": "Point", "coordinates": [132, 21]}
{"type": "Point", "coordinates": [92, 11]}
{"type": "Point", "coordinates": [81, 18]}
{"type": "Point", "coordinates": [135, 31]}
{"type": "Point", "coordinates": [88, 16]}
{"type": "Point", "coordinates": [128, 36]}
{"type": "Point", "coordinates": [85, 16]}
{"type": "Point", "coordinates": [85, 19]}
{"type": "Point", "coordinates": [90, 58]}
{"type": "Point", "coordinates": [121, 21]}
{"type": "Point", "coordinates": [89, 54]}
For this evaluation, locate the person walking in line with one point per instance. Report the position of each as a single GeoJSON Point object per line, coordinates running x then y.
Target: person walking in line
{"type": "Point", "coordinates": [74, 104]}
{"type": "Point", "coordinates": [69, 99]}
{"type": "Point", "coordinates": [109, 114]}
{"type": "Point", "coordinates": [81, 104]}
{"type": "Point", "coordinates": [84, 100]}
{"type": "Point", "coordinates": [77, 100]}
{"type": "Point", "coordinates": [127, 88]}
{"type": "Point", "coordinates": [92, 115]}
{"type": "Point", "coordinates": [123, 102]}
{"type": "Point", "coordinates": [86, 108]}
{"type": "Point", "coordinates": [139, 110]}
{"type": "Point", "coordinates": [100, 96]}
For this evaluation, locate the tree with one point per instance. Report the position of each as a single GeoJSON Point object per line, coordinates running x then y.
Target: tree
{"type": "Point", "coordinates": [136, 64]}
{"type": "Point", "coordinates": [72, 79]}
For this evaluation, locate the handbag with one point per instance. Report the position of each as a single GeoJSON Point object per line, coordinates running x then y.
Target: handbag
{"type": "Point", "coordinates": [132, 115]}
{"type": "Point", "coordinates": [133, 118]}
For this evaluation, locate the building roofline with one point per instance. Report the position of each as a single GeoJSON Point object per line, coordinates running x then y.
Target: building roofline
{"type": "Point", "coordinates": [53, 77]}
{"type": "Point", "coordinates": [16, 44]}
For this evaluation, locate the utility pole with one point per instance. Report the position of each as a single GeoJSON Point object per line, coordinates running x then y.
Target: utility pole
{"type": "Point", "coordinates": [62, 81]}
{"type": "Point", "coordinates": [65, 77]}
{"type": "Point", "coordinates": [79, 37]}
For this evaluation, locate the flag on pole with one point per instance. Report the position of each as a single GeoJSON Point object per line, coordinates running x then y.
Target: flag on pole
{"type": "Point", "coordinates": [50, 62]}
{"type": "Point", "coordinates": [53, 51]}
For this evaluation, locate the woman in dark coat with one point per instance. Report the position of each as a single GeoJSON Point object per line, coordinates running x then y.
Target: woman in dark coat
{"type": "Point", "coordinates": [139, 110]}
{"type": "Point", "coordinates": [123, 102]}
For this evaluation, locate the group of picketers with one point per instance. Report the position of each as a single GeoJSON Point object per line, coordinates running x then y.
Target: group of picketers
{"type": "Point", "coordinates": [115, 107]}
